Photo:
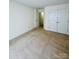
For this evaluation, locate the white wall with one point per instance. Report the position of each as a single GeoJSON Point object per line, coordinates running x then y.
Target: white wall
{"type": "Point", "coordinates": [22, 19]}
{"type": "Point", "coordinates": [36, 18]}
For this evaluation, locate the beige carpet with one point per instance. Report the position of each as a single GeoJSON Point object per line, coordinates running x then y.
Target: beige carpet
{"type": "Point", "coordinates": [39, 44]}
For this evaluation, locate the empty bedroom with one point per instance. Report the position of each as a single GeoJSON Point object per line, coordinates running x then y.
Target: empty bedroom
{"type": "Point", "coordinates": [39, 29]}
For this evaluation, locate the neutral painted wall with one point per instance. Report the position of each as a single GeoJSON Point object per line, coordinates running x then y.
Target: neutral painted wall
{"type": "Point", "coordinates": [36, 18]}
{"type": "Point", "coordinates": [22, 19]}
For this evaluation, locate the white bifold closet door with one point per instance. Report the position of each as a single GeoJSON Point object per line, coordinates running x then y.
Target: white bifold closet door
{"type": "Point", "coordinates": [62, 20]}
{"type": "Point", "coordinates": [52, 20]}
{"type": "Point", "coordinates": [56, 18]}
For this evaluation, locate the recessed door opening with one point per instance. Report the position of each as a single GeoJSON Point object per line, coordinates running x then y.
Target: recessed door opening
{"type": "Point", "coordinates": [41, 18]}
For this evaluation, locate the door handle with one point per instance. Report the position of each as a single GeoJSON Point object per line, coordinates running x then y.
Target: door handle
{"type": "Point", "coordinates": [57, 22]}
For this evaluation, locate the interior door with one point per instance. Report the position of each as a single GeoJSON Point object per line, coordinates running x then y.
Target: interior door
{"type": "Point", "coordinates": [63, 20]}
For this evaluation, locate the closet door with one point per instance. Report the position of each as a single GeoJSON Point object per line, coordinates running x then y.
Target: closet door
{"type": "Point", "coordinates": [51, 19]}
{"type": "Point", "coordinates": [63, 20]}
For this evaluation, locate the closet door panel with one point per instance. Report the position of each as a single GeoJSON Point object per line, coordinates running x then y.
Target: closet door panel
{"type": "Point", "coordinates": [51, 20]}
{"type": "Point", "coordinates": [63, 20]}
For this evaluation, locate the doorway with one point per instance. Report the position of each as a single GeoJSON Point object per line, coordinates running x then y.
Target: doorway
{"type": "Point", "coordinates": [41, 18]}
